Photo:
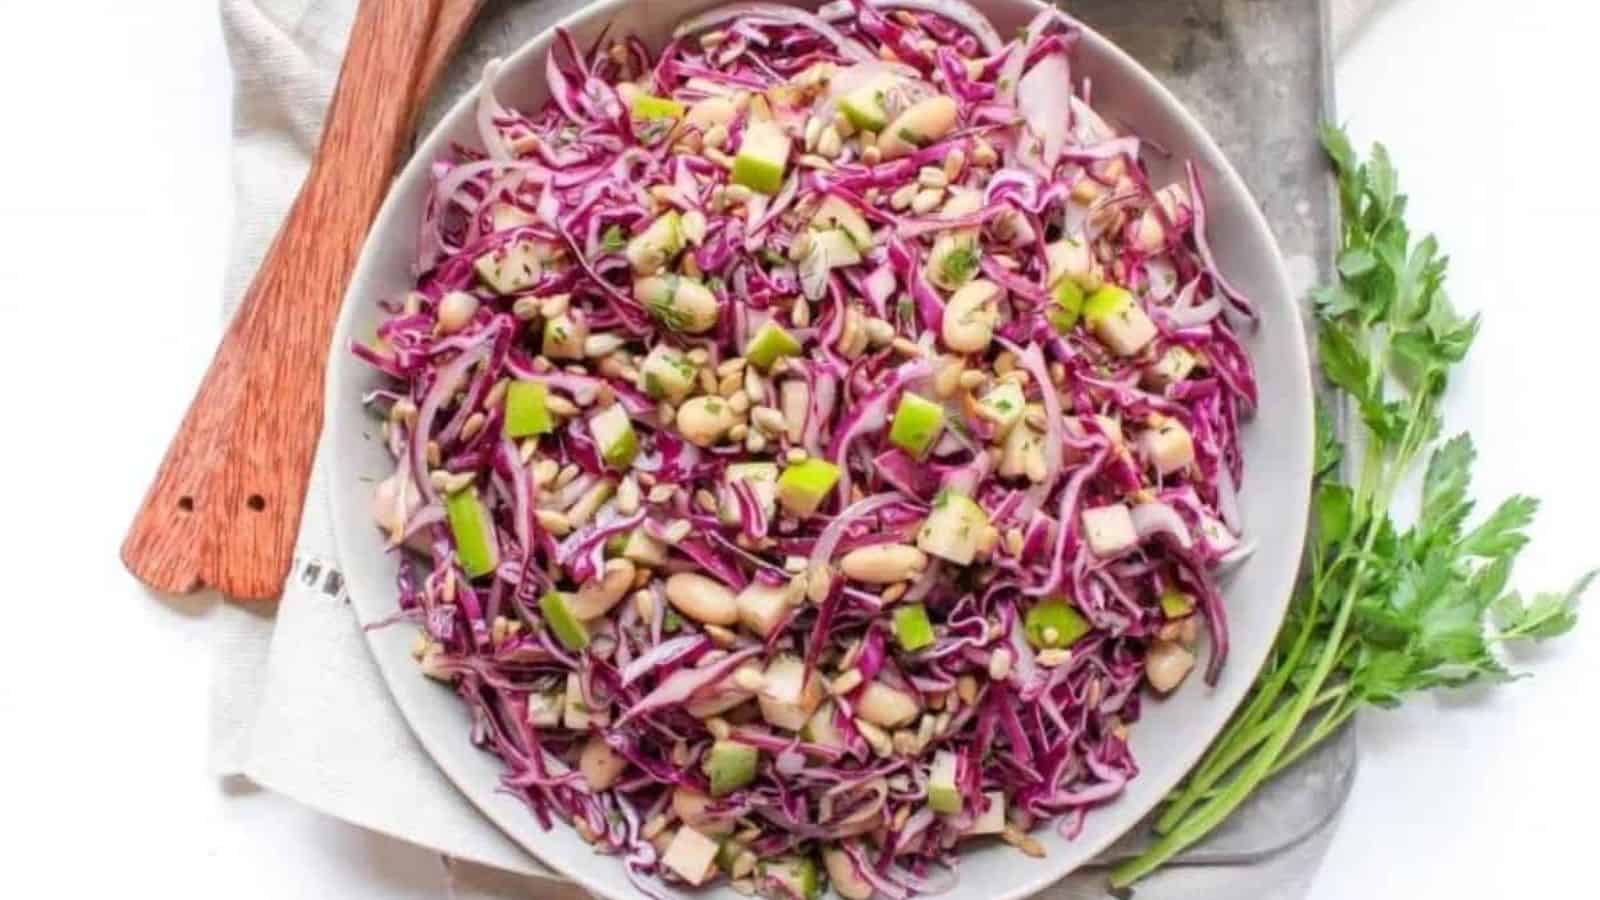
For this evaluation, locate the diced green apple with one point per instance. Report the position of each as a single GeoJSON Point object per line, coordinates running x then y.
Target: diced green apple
{"type": "Point", "coordinates": [691, 855]}
{"type": "Point", "coordinates": [648, 106]}
{"type": "Point", "coordinates": [544, 709]}
{"type": "Point", "coordinates": [943, 795]}
{"type": "Point", "coordinates": [993, 818]}
{"type": "Point", "coordinates": [526, 410]}
{"type": "Point", "coordinates": [1023, 448]}
{"type": "Point", "coordinates": [505, 216]}
{"type": "Point", "coordinates": [1118, 320]}
{"type": "Point", "coordinates": [564, 335]}
{"type": "Point", "coordinates": [763, 478]}
{"type": "Point", "coordinates": [1070, 258]}
{"type": "Point", "coordinates": [613, 433]}
{"type": "Point", "coordinates": [1054, 623]}
{"type": "Point", "coordinates": [835, 213]}
{"type": "Point", "coordinates": [1109, 529]}
{"type": "Point", "coordinates": [820, 729]}
{"type": "Point", "coordinates": [512, 268]}
{"type": "Point", "coordinates": [762, 158]}
{"type": "Point", "coordinates": [796, 876]}
{"type": "Point", "coordinates": [917, 423]}
{"type": "Point", "coordinates": [1168, 445]}
{"type": "Point", "coordinates": [804, 485]}
{"type": "Point", "coordinates": [473, 530]}
{"type": "Point", "coordinates": [770, 343]}
{"type": "Point", "coordinates": [730, 765]}
{"type": "Point", "coordinates": [912, 630]}
{"type": "Point", "coordinates": [556, 608]}
{"type": "Point", "coordinates": [578, 716]}
{"type": "Point", "coordinates": [763, 606]}
{"type": "Point", "coordinates": [1172, 367]}
{"type": "Point", "coordinates": [641, 548]}
{"type": "Point", "coordinates": [1175, 604]}
{"type": "Point", "coordinates": [789, 698]}
{"type": "Point", "coordinates": [867, 107]}
{"type": "Point", "coordinates": [952, 530]}
{"type": "Point", "coordinates": [1003, 405]}
{"type": "Point", "coordinates": [1067, 307]}
{"type": "Point", "coordinates": [667, 374]}
{"type": "Point", "coordinates": [653, 248]}
{"type": "Point", "coordinates": [886, 707]}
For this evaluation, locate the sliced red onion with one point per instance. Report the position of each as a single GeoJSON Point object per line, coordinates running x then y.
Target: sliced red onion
{"type": "Point", "coordinates": [662, 654]}
{"type": "Point", "coordinates": [1042, 98]}
{"type": "Point", "coordinates": [823, 551]}
{"type": "Point", "coordinates": [1159, 518]}
{"type": "Point", "coordinates": [682, 684]}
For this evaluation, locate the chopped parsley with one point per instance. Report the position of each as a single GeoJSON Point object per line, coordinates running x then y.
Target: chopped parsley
{"type": "Point", "coordinates": [960, 264]}
{"type": "Point", "coordinates": [614, 239]}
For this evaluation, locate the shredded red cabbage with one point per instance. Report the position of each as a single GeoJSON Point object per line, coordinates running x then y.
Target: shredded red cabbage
{"type": "Point", "coordinates": [715, 597]}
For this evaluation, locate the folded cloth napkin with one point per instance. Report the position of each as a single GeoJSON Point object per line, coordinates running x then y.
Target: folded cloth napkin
{"type": "Point", "coordinates": [298, 705]}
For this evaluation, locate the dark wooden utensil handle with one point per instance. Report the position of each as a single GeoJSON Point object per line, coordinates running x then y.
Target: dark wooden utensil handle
{"type": "Point", "coordinates": [225, 505]}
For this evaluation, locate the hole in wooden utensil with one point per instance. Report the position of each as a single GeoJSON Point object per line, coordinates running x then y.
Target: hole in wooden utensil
{"type": "Point", "coordinates": [256, 502]}
{"type": "Point", "coordinates": [186, 504]}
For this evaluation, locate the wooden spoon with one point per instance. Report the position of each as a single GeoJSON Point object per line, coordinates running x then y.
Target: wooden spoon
{"type": "Point", "coordinates": [225, 505]}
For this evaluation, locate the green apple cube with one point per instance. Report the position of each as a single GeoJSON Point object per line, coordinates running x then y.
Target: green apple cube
{"type": "Point", "coordinates": [835, 248]}
{"type": "Point", "coordinates": [1117, 320]}
{"type": "Point", "coordinates": [567, 627]}
{"type": "Point", "coordinates": [667, 374]}
{"type": "Point", "coordinates": [763, 477]}
{"type": "Point", "coordinates": [647, 106]}
{"type": "Point", "coordinates": [473, 530]}
{"type": "Point", "coordinates": [790, 695]}
{"type": "Point", "coordinates": [613, 433]}
{"type": "Point", "coordinates": [943, 795]}
{"type": "Point", "coordinates": [867, 107]}
{"type": "Point", "coordinates": [1175, 604]}
{"type": "Point", "coordinates": [838, 214]}
{"type": "Point", "coordinates": [1004, 406]}
{"type": "Point", "coordinates": [804, 485]}
{"type": "Point", "coordinates": [762, 158]}
{"type": "Point", "coordinates": [527, 412]}
{"type": "Point", "coordinates": [728, 853]}
{"type": "Point", "coordinates": [564, 335]}
{"type": "Point", "coordinates": [651, 249]}
{"type": "Point", "coordinates": [993, 818]}
{"type": "Point", "coordinates": [1068, 305]}
{"type": "Point", "coordinates": [917, 424]}
{"type": "Point", "coordinates": [512, 268]}
{"type": "Point", "coordinates": [1053, 623]}
{"type": "Point", "coordinates": [796, 875]}
{"type": "Point", "coordinates": [770, 343]}
{"type": "Point", "coordinates": [912, 629]}
{"type": "Point", "coordinates": [820, 729]}
{"type": "Point", "coordinates": [952, 530]}
{"type": "Point", "coordinates": [691, 855]}
{"type": "Point", "coordinates": [730, 765]}
{"type": "Point", "coordinates": [643, 549]}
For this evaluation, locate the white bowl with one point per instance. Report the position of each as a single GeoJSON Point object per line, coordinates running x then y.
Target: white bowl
{"type": "Point", "coordinates": [1172, 733]}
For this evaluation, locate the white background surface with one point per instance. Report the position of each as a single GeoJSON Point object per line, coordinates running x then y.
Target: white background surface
{"type": "Point", "coordinates": [114, 199]}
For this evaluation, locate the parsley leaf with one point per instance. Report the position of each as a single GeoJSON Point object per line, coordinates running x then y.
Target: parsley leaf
{"type": "Point", "coordinates": [1385, 612]}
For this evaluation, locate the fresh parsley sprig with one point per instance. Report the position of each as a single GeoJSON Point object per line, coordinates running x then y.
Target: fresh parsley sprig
{"type": "Point", "coordinates": [1382, 611]}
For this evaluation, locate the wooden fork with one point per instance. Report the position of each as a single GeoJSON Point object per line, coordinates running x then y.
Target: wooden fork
{"type": "Point", "coordinates": [224, 508]}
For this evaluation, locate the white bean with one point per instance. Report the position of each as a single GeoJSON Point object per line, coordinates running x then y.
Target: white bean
{"type": "Point", "coordinates": [702, 599]}
{"type": "Point", "coordinates": [884, 563]}
{"type": "Point", "coordinates": [598, 595]}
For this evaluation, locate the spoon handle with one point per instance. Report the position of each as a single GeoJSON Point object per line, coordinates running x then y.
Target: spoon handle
{"type": "Point", "coordinates": [225, 505]}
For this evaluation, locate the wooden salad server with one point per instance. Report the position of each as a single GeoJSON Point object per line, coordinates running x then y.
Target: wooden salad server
{"type": "Point", "coordinates": [224, 508]}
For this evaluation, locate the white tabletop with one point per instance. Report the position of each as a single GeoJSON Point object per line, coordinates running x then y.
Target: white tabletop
{"type": "Point", "coordinates": [114, 194]}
